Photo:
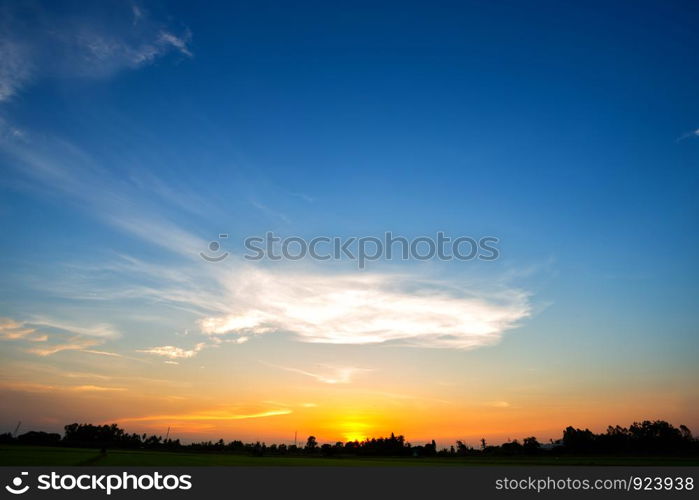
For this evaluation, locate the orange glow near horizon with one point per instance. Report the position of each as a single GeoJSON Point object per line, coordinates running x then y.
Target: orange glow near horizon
{"type": "Point", "coordinates": [331, 424]}
{"type": "Point", "coordinates": [210, 397]}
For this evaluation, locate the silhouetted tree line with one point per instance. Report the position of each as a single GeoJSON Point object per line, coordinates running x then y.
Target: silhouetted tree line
{"type": "Point", "coordinates": [641, 438]}
{"type": "Point", "coordinates": [657, 437]}
{"type": "Point", "coordinates": [93, 436]}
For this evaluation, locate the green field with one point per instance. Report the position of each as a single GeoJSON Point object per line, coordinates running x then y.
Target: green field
{"type": "Point", "coordinates": [37, 456]}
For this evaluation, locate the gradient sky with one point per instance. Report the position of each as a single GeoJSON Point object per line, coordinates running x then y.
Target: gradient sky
{"type": "Point", "coordinates": [133, 134]}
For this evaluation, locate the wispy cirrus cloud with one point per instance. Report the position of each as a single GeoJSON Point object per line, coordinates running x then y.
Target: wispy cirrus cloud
{"type": "Point", "coordinates": [103, 353]}
{"type": "Point", "coordinates": [269, 211]}
{"type": "Point", "coordinates": [16, 330]}
{"type": "Point", "coordinates": [688, 135]}
{"type": "Point", "coordinates": [218, 415]}
{"type": "Point", "coordinates": [498, 404]}
{"type": "Point", "coordinates": [329, 374]}
{"type": "Point", "coordinates": [71, 344]}
{"type": "Point", "coordinates": [53, 336]}
{"type": "Point", "coordinates": [16, 67]}
{"type": "Point", "coordinates": [96, 388]}
{"type": "Point", "coordinates": [36, 387]}
{"type": "Point", "coordinates": [36, 42]}
{"type": "Point", "coordinates": [53, 167]}
{"type": "Point", "coordinates": [172, 352]}
{"type": "Point", "coordinates": [289, 405]}
{"type": "Point", "coordinates": [101, 330]}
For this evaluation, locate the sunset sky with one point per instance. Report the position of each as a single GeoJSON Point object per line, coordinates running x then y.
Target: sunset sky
{"type": "Point", "coordinates": [134, 134]}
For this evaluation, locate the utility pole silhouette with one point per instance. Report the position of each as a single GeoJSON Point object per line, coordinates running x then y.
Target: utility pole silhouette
{"type": "Point", "coordinates": [17, 428]}
{"type": "Point", "coordinates": [295, 434]}
{"type": "Point", "coordinates": [168, 433]}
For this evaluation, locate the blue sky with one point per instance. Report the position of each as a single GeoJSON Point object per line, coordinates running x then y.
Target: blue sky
{"type": "Point", "coordinates": [133, 134]}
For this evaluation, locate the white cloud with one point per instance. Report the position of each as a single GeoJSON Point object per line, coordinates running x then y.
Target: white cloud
{"type": "Point", "coordinates": [172, 352]}
{"type": "Point", "coordinates": [366, 309]}
{"type": "Point", "coordinates": [330, 374]}
{"type": "Point", "coordinates": [237, 304]}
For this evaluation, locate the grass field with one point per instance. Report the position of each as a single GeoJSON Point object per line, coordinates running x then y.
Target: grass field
{"type": "Point", "coordinates": [37, 456]}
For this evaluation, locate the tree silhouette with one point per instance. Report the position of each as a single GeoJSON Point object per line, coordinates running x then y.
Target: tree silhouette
{"type": "Point", "coordinates": [531, 445]}
{"type": "Point", "coordinates": [311, 444]}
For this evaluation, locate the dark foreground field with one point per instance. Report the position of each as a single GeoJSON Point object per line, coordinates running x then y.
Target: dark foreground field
{"type": "Point", "coordinates": [38, 455]}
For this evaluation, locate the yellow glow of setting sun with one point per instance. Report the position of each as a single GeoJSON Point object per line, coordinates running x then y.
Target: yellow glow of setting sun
{"type": "Point", "coordinates": [354, 431]}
